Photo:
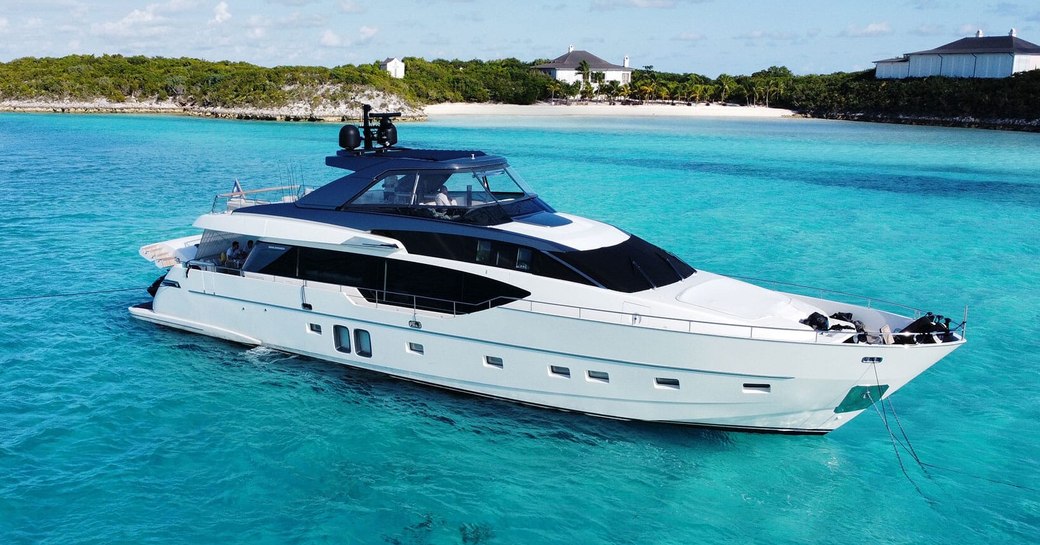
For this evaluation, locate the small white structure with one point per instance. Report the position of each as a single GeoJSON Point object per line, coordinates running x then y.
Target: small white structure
{"type": "Point", "coordinates": [978, 57]}
{"type": "Point", "coordinates": [565, 67]}
{"type": "Point", "coordinates": [393, 65]}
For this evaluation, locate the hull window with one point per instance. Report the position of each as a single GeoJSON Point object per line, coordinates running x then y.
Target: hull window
{"type": "Point", "coordinates": [363, 343]}
{"type": "Point", "coordinates": [667, 383]}
{"type": "Point", "coordinates": [315, 328]}
{"type": "Point", "coordinates": [341, 336]}
{"type": "Point", "coordinates": [492, 361]}
{"type": "Point", "coordinates": [416, 348]}
{"type": "Point", "coordinates": [560, 371]}
{"type": "Point", "coordinates": [750, 388]}
{"type": "Point", "coordinates": [598, 376]}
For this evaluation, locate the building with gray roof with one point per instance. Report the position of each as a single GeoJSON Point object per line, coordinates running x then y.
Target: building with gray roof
{"type": "Point", "coordinates": [978, 57]}
{"type": "Point", "coordinates": [565, 67]}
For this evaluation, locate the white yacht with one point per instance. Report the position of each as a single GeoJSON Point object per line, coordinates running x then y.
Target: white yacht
{"type": "Point", "coordinates": [441, 267]}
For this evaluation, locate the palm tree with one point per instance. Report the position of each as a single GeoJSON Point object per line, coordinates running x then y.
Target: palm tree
{"type": "Point", "coordinates": [625, 91]}
{"type": "Point", "coordinates": [586, 72]}
{"type": "Point", "coordinates": [554, 87]}
{"type": "Point", "coordinates": [726, 84]}
{"type": "Point", "coordinates": [647, 91]}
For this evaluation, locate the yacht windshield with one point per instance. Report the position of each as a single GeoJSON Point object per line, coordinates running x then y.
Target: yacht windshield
{"type": "Point", "coordinates": [443, 190]}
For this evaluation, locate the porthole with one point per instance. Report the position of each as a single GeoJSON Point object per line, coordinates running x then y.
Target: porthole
{"type": "Point", "coordinates": [415, 348]}
{"type": "Point", "coordinates": [667, 383]}
{"type": "Point", "coordinates": [560, 371]}
{"type": "Point", "coordinates": [598, 376]}
{"type": "Point", "coordinates": [492, 361]}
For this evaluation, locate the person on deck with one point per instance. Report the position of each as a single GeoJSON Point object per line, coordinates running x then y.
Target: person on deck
{"type": "Point", "coordinates": [235, 255]}
{"type": "Point", "coordinates": [443, 199]}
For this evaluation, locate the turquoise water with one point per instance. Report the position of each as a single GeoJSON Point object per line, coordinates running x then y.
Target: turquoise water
{"type": "Point", "coordinates": [116, 431]}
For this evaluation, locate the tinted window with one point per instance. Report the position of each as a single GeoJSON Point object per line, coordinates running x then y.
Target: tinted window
{"type": "Point", "coordinates": [389, 281]}
{"type": "Point", "coordinates": [495, 253]}
{"type": "Point", "coordinates": [633, 265]}
{"type": "Point", "coordinates": [364, 343]}
{"type": "Point", "coordinates": [341, 268]}
{"type": "Point", "coordinates": [276, 259]}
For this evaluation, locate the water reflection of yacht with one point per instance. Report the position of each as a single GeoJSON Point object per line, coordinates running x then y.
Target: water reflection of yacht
{"type": "Point", "coordinates": [494, 293]}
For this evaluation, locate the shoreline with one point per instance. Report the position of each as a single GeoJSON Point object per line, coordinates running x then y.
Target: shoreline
{"type": "Point", "coordinates": [585, 109]}
{"type": "Point", "coordinates": [351, 113]}
{"type": "Point", "coordinates": [345, 113]}
{"type": "Point", "coordinates": [333, 112]}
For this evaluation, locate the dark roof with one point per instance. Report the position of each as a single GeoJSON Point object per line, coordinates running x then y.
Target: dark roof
{"type": "Point", "coordinates": [985, 44]}
{"type": "Point", "coordinates": [571, 60]}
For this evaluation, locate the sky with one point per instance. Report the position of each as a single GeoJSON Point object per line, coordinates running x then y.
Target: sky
{"type": "Point", "coordinates": [703, 36]}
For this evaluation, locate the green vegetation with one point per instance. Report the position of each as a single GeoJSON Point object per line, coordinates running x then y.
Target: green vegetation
{"type": "Point", "coordinates": [187, 81]}
{"type": "Point", "coordinates": [225, 84]}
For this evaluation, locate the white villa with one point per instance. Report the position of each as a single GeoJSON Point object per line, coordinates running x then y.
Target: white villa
{"type": "Point", "coordinates": [978, 57]}
{"type": "Point", "coordinates": [393, 65]}
{"type": "Point", "coordinates": [565, 67]}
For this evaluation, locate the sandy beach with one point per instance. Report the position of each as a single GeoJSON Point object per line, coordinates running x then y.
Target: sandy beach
{"type": "Point", "coordinates": [578, 109]}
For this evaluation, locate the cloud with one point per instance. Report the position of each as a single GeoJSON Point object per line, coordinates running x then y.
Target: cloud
{"type": "Point", "coordinates": [331, 39]}
{"type": "Point", "coordinates": [761, 35]}
{"type": "Point", "coordinates": [221, 13]}
{"type": "Point", "coordinates": [143, 23]}
{"type": "Point", "coordinates": [350, 6]}
{"type": "Point", "coordinates": [257, 26]}
{"type": "Point", "coordinates": [137, 23]}
{"type": "Point", "coordinates": [607, 5]}
{"type": "Point", "coordinates": [367, 32]}
{"type": "Point", "coordinates": [869, 31]}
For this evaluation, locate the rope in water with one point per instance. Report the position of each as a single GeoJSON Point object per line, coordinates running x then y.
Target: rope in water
{"type": "Point", "coordinates": [909, 448]}
{"type": "Point", "coordinates": [70, 294]}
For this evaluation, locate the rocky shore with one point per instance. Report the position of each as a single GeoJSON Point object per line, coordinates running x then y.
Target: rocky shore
{"type": "Point", "coordinates": [325, 103]}
{"type": "Point", "coordinates": [967, 122]}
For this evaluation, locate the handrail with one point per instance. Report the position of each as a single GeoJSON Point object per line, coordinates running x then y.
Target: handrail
{"type": "Point", "coordinates": [260, 190]}
{"type": "Point", "coordinates": [381, 297]}
{"type": "Point", "coordinates": [248, 197]}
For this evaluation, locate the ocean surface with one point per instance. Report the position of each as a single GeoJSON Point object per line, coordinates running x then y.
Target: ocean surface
{"type": "Point", "coordinates": [117, 431]}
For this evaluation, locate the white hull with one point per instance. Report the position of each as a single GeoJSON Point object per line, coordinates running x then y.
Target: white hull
{"type": "Point", "coordinates": [639, 372]}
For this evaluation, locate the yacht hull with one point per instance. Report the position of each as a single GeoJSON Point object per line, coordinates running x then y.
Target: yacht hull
{"type": "Point", "coordinates": [600, 367]}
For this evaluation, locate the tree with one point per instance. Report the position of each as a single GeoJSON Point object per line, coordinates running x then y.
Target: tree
{"type": "Point", "coordinates": [725, 84]}
{"type": "Point", "coordinates": [553, 88]}
{"type": "Point", "coordinates": [586, 73]}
